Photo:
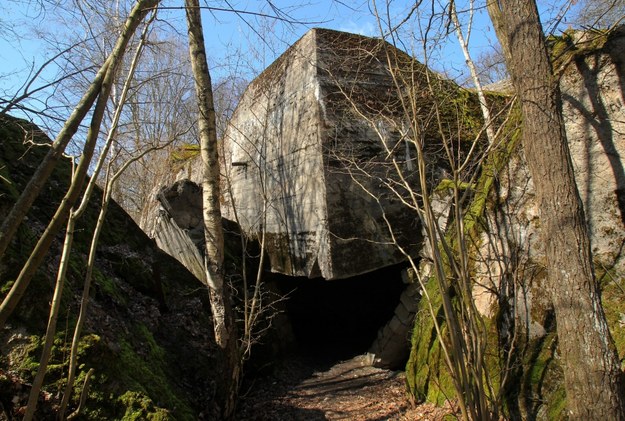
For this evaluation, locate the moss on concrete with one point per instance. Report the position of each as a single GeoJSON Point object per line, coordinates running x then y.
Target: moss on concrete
{"type": "Point", "coordinates": [537, 370]}
{"type": "Point", "coordinates": [572, 44]}
{"type": "Point", "coordinates": [613, 299]}
{"type": "Point", "coordinates": [185, 152]}
{"type": "Point", "coordinates": [541, 391]}
{"type": "Point", "coordinates": [427, 375]}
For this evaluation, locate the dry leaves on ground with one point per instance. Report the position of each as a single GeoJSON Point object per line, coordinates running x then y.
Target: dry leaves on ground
{"type": "Point", "coordinates": [349, 390]}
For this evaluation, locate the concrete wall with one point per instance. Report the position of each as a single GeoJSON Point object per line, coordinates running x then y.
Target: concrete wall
{"type": "Point", "coordinates": [274, 162]}
{"type": "Point", "coordinates": [593, 94]}
{"type": "Point", "coordinates": [288, 152]}
{"type": "Point", "coordinates": [513, 248]}
{"type": "Point", "coordinates": [360, 127]}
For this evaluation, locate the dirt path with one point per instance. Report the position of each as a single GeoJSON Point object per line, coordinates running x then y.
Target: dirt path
{"type": "Point", "coordinates": [348, 390]}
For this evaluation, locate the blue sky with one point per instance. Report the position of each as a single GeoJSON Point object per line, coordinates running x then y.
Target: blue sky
{"type": "Point", "coordinates": [230, 37]}
{"type": "Point", "coordinates": [224, 31]}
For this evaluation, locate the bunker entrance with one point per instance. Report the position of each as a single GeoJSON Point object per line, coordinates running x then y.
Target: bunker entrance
{"type": "Point", "coordinates": [336, 320]}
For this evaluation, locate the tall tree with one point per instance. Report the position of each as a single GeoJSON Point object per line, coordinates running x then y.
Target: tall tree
{"type": "Point", "coordinates": [593, 379]}
{"type": "Point", "coordinates": [223, 317]}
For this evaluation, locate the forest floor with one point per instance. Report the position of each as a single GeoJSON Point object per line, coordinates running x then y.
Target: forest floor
{"type": "Point", "coordinates": [303, 389]}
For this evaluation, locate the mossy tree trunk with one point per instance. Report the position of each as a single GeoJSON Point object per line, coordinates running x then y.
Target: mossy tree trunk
{"type": "Point", "coordinates": [593, 379]}
{"type": "Point", "coordinates": [223, 317]}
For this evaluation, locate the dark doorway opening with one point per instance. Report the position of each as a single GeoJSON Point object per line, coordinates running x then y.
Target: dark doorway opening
{"type": "Point", "coordinates": [337, 320]}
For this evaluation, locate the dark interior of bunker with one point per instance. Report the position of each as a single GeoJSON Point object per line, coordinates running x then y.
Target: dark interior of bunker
{"type": "Point", "coordinates": [339, 319]}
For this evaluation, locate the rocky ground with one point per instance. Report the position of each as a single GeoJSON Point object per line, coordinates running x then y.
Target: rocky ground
{"type": "Point", "coordinates": [304, 389]}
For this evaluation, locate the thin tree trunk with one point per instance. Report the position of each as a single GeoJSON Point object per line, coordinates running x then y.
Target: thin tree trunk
{"type": "Point", "coordinates": [18, 289]}
{"type": "Point", "coordinates": [41, 175]}
{"type": "Point", "coordinates": [592, 376]}
{"type": "Point", "coordinates": [67, 248]}
{"type": "Point", "coordinates": [84, 303]}
{"type": "Point", "coordinates": [37, 181]}
{"type": "Point", "coordinates": [110, 181]}
{"type": "Point", "coordinates": [223, 318]}
{"type": "Point", "coordinates": [31, 406]}
{"type": "Point", "coordinates": [464, 45]}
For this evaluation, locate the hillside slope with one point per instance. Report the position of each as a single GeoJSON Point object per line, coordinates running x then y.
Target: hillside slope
{"type": "Point", "coordinates": [148, 335]}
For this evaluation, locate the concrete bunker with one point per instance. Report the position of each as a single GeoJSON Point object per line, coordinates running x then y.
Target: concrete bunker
{"type": "Point", "coordinates": [288, 155]}
{"type": "Point", "coordinates": [333, 319]}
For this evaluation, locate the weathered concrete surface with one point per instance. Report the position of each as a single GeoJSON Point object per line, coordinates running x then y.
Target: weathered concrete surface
{"type": "Point", "coordinates": [177, 243]}
{"type": "Point", "coordinates": [513, 246]}
{"type": "Point", "coordinates": [509, 265]}
{"type": "Point", "coordinates": [178, 227]}
{"type": "Point", "coordinates": [298, 154]}
{"type": "Point", "coordinates": [274, 163]}
{"type": "Point", "coordinates": [285, 155]}
{"type": "Point", "coordinates": [310, 160]}
{"type": "Point", "coordinates": [183, 203]}
{"type": "Point", "coordinates": [593, 93]}
{"type": "Point", "coordinates": [391, 347]}
{"type": "Point", "coordinates": [510, 261]}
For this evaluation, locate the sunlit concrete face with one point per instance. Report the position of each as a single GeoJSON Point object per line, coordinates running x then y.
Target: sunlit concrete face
{"type": "Point", "coordinates": [292, 153]}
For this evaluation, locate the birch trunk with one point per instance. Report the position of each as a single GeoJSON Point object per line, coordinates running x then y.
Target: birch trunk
{"type": "Point", "coordinates": [223, 318]}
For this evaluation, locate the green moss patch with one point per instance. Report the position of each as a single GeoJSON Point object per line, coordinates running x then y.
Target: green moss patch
{"type": "Point", "coordinates": [140, 407]}
{"type": "Point", "coordinates": [572, 44]}
{"type": "Point", "coordinates": [541, 388]}
{"type": "Point", "coordinates": [613, 300]}
{"type": "Point", "coordinates": [145, 365]}
{"type": "Point", "coordinates": [427, 374]}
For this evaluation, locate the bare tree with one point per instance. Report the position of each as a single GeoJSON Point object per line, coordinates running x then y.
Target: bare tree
{"type": "Point", "coordinates": [160, 107]}
{"type": "Point", "coordinates": [492, 66]}
{"type": "Point", "coordinates": [67, 247]}
{"type": "Point", "coordinates": [599, 14]}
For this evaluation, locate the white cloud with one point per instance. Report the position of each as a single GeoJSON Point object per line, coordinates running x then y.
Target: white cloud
{"type": "Point", "coordinates": [361, 28]}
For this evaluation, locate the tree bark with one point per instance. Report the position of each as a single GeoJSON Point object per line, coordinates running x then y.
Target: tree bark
{"type": "Point", "coordinates": [223, 318]}
{"type": "Point", "coordinates": [592, 375]}
{"type": "Point", "coordinates": [55, 306]}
